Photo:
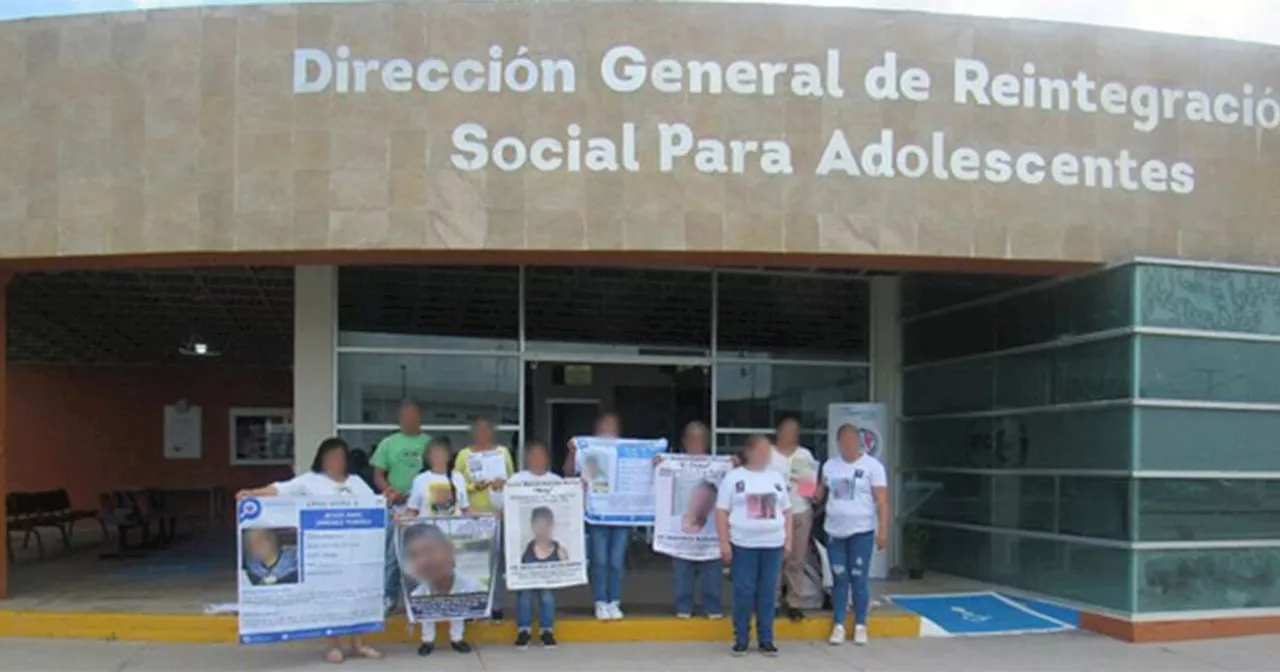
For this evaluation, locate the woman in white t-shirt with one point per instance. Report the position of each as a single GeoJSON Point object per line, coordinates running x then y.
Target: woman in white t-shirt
{"type": "Point", "coordinates": [753, 517]}
{"type": "Point", "coordinates": [439, 491]}
{"type": "Point", "coordinates": [329, 476]}
{"type": "Point", "coordinates": [857, 494]}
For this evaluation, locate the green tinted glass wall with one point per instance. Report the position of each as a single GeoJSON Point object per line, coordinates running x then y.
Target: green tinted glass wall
{"type": "Point", "coordinates": [1011, 403]}
{"type": "Point", "coordinates": [1208, 513]}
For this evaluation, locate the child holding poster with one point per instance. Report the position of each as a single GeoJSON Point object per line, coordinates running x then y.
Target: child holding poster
{"type": "Point", "coordinates": [439, 491]}
{"type": "Point", "coordinates": [541, 547]}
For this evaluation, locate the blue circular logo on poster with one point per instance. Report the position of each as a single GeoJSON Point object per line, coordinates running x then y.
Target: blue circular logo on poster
{"type": "Point", "coordinates": [249, 509]}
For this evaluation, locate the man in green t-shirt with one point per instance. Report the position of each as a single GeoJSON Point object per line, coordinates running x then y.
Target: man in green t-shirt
{"type": "Point", "coordinates": [398, 458]}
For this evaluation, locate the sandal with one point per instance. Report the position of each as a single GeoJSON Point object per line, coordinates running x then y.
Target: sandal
{"type": "Point", "coordinates": [335, 655]}
{"type": "Point", "coordinates": [366, 651]}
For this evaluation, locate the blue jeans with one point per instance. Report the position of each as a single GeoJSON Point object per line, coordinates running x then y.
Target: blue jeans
{"type": "Point", "coordinates": [755, 573]}
{"type": "Point", "coordinates": [851, 564]}
{"type": "Point", "coordinates": [690, 572]}
{"type": "Point", "coordinates": [608, 561]}
{"type": "Point", "coordinates": [546, 609]}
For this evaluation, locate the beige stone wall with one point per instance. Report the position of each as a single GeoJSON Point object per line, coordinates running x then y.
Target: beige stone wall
{"type": "Point", "coordinates": [179, 131]}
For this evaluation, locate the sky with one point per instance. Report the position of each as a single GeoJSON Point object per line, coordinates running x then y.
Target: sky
{"type": "Point", "coordinates": [1249, 20]}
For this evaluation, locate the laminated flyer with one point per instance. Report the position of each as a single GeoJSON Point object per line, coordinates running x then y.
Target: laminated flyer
{"type": "Point", "coordinates": [619, 478]}
{"type": "Point", "coordinates": [310, 567]}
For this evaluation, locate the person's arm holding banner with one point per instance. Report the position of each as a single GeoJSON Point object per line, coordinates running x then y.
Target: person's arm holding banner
{"type": "Point", "coordinates": [571, 459]}
{"type": "Point", "coordinates": [381, 467]}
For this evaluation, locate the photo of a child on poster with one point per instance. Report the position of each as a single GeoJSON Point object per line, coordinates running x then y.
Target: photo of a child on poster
{"type": "Point", "coordinates": [446, 566]}
{"type": "Point", "coordinates": [544, 535]}
{"type": "Point", "coordinates": [685, 488]}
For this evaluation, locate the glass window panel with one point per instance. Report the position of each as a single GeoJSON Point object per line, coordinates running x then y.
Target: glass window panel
{"type": "Point", "coordinates": [1210, 299]}
{"type": "Point", "coordinates": [1085, 372]}
{"type": "Point", "coordinates": [927, 292]}
{"type": "Point", "coordinates": [367, 440]}
{"type": "Point", "coordinates": [469, 308]}
{"type": "Point", "coordinates": [1014, 502]}
{"type": "Point", "coordinates": [1094, 507]}
{"type": "Point", "coordinates": [451, 389]}
{"type": "Point", "coordinates": [949, 388]}
{"type": "Point", "coordinates": [1072, 308]}
{"type": "Point", "coordinates": [1226, 578]}
{"type": "Point", "coordinates": [793, 316]}
{"type": "Point", "coordinates": [962, 332]}
{"type": "Point", "coordinates": [1207, 439]}
{"type": "Point", "coordinates": [619, 311]}
{"type": "Point", "coordinates": [1079, 439]}
{"type": "Point", "coordinates": [753, 396]}
{"type": "Point", "coordinates": [1178, 509]}
{"type": "Point", "coordinates": [1209, 369]}
{"type": "Point", "coordinates": [1084, 573]}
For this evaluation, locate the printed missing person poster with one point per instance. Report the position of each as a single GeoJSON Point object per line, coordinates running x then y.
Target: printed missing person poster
{"type": "Point", "coordinates": [685, 488]}
{"type": "Point", "coordinates": [544, 536]}
{"type": "Point", "coordinates": [619, 476]}
{"type": "Point", "coordinates": [446, 566]}
{"type": "Point", "coordinates": [310, 567]}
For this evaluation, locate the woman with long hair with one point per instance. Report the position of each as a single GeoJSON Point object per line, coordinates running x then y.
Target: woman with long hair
{"type": "Point", "coordinates": [329, 476]}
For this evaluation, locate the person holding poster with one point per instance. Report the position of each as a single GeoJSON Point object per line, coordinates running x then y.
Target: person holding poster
{"type": "Point", "coordinates": [396, 461]}
{"type": "Point", "coordinates": [328, 478]}
{"type": "Point", "coordinates": [439, 491]}
{"type": "Point", "coordinates": [753, 517]}
{"type": "Point", "coordinates": [857, 494]}
{"type": "Point", "coordinates": [542, 545]}
{"type": "Point", "coordinates": [685, 491]}
{"type": "Point", "coordinates": [799, 470]}
{"type": "Point", "coordinates": [446, 566]}
{"type": "Point", "coordinates": [618, 480]}
{"type": "Point", "coordinates": [485, 467]}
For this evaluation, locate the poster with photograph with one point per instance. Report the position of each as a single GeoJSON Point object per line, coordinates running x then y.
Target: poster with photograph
{"type": "Point", "coordinates": [261, 436]}
{"type": "Point", "coordinates": [685, 489]}
{"type": "Point", "coordinates": [488, 465]}
{"type": "Point", "coordinates": [182, 439]}
{"type": "Point", "coordinates": [310, 567]}
{"type": "Point", "coordinates": [544, 536]}
{"type": "Point", "coordinates": [446, 566]}
{"type": "Point", "coordinates": [619, 476]}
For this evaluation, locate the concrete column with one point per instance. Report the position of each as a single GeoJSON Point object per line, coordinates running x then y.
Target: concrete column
{"type": "Point", "coordinates": [886, 388]}
{"type": "Point", "coordinates": [315, 338]}
{"type": "Point", "coordinates": [4, 428]}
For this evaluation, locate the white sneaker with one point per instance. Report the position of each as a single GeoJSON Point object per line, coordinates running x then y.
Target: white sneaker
{"type": "Point", "coordinates": [860, 635]}
{"type": "Point", "coordinates": [614, 610]}
{"type": "Point", "coordinates": [684, 616]}
{"type": "Point", "coordinates": [602, 612]}
{"type": "Point", "coordinates": [837, 635]}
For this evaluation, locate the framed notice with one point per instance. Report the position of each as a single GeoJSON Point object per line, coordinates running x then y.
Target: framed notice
{"type": "Point", "coordinates": [261, 436]}
{"type": "Point", "coordinates": [182, 439]}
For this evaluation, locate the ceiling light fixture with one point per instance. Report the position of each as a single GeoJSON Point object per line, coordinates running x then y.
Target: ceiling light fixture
{"type": "Point", "coordinates": [197, 348]}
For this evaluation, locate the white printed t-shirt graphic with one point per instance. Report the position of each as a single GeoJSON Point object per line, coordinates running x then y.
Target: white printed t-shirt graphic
{"type": "Point", "coordinates": [851, 503]}
{"type": "Point", "coordinates": [424, 495]}
{"type": "Point", "coordinates": [757, 502]}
